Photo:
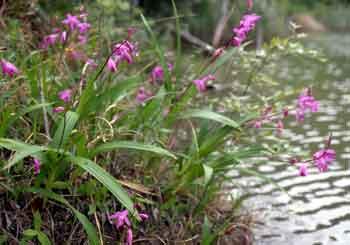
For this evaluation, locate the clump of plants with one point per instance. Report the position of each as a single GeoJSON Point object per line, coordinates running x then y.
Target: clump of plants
{"type": "Point", "coordinates": [95, 148]}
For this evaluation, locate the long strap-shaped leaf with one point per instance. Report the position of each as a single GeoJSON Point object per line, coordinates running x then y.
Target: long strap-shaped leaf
{"type": "Point", "coordinates": [91, 167]}
{"type": "Point", "coordinates": [64, 129]}
{"type": "Point", "coordinates": [88, 226]}
{"type": "Point", "coordinates": [22, 150]}
{"type": "Point", "coordinates": [106, 179]}
{"type": "Point", "coordinates": [132, 145]}
{"type": "Point", "coordinates": [210, 115]}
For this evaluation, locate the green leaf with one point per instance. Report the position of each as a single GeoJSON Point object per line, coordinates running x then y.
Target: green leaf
{"type": "Point", "coordinates": [210, 115]}
{"type": "Point", "coordinates": [88, 226]}
{"type": "Point", "coordinates": [208, 173]}
{"type": "Point", "coordinates": [64, 129]}
{"type": "Point", "coordinates": [3, 239]}
{"type": "Point", "coordinates": [37, 220]}
{"type": "Point", "coordinates": [131, 145]}
{"type": "Point", "coordinates": [114, 93]}
{"type": "Point", "coordinates": [30, 233]}
{"type": "Point", "coordinates": [33, 108]}
{"type": "Point", "coordinates": [207, 234]}
{"type": "Point", "coordinates": [180, 105]}
{"type": "Point", "coordinates": [95, 170]}
{"type": "Point", "coordinates": [43, 239]}
{"type": "Point", "coordinates": [22, 150]}
{"type": "Point", "coordinates": [214, 140]}
{"type": "Point", "coordinates": [106, 179]}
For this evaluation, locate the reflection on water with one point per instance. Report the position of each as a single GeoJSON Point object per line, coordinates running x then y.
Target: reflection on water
{"type": "Point", "coordinates": [318, 211]}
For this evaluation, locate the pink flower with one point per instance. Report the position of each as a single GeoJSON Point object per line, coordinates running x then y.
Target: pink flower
{"type": "Point", "coordinates": [157, 74]}
{"type": "Point", "coordinates": [300, 115]}
{"type": "Point", "coordinates": [201, 84]}
{"type": "Point", "coordinates": [307, 102]}
{"type": "Point", "coordinates": [143, 216]}
{"type": "Point", "coordinates": [58, 109]}
{"type": "Point", "coordinates": [125, 51]}
{"type": "Point", "coordinates": [129, 237]}
{"type": "Point", "coordinates": [218, 52]}
{"type": "Point", "coordinates": [49, 40]}
{"type": "Point", "coordinates": [37, 164]}
{"type": "Point", "coordinates": [250, 4]}
{"type": "Point", "coordinates": [257, 124]}
{"type": "Point", "coordinates": [246, 25]}
{"type": "Point", "coordinates": [142, 95]}
{"type": "Point", "coordinates": [63, 37]}
{"type": "Point", "coordinates": [8, 68]}
{"type": "Point", "coordinates": [65, 95]}
{"type": "Point", "coordinates": [323, 158]}
{"type": "Point", "coordinates": [120, 219]}
{"type": "Point", "coordinates": [83, 27]}
{"type": "Point", "coordinates": [280, 127]}
{"type": "Point", "coordinates": [303, 170]}
{"type": "Point", "coordinates": [285, 112]}
{"type": "Point", "coordinates": [71, 21]}
{"type": "Point", "coordinates": [112, 64]}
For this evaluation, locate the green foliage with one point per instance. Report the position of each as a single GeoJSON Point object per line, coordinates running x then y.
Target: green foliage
{"type": "Point", "coordinates": [109, 152]}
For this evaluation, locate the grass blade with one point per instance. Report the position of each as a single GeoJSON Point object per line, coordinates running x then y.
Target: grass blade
{"type": "Point", "coordinates": [64, 129]}
{"type": "Point", "coordinates": [210, 115]}
{"type": "Point", "coordinates": [105, 179]}
{"type": "Point", "coordinates": [132, 145]}
{"type": "Point", "coordinates": [22, 150]}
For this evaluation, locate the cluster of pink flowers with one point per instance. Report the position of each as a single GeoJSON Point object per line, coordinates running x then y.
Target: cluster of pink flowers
{"type": "Point", "coordinates": [321, 159]}
{"type": "Point", "coordinates": [8, 68]}
{"type": "Point", "coordinates": [76, 25]}
{"type": "Point", "coordinates": [306, 102]}
{"type": "Point", "coordinates": [124, 51]}
{"type": "Point", "coordinates": [246, 25]}
{"type": "Point", "coordinates": [201, 83]}
{"type": "Point", "coordinates": [121, 221]}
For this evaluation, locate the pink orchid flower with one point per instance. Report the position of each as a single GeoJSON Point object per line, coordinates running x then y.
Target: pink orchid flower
{"type": "Point", "coordinates": [323, 158]}
{"type": "Point", "coordinates": [201, 84]}
{"type": "Point", "coordinates": [8, 68]}
{"type": "Point", "coordinates": [65, 95]}
{"type": "Point", "coordinates": [303, 170]}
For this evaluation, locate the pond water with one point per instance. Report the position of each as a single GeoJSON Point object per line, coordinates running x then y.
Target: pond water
{"type": "Point", "coordinates": [318, 209]}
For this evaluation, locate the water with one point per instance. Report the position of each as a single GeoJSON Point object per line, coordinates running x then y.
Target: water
{"type": "Point", "coordinates": [318, 209]}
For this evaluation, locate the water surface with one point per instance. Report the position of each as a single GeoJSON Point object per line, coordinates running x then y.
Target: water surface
{"type": "Point", "coordinates": [318, 211]}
